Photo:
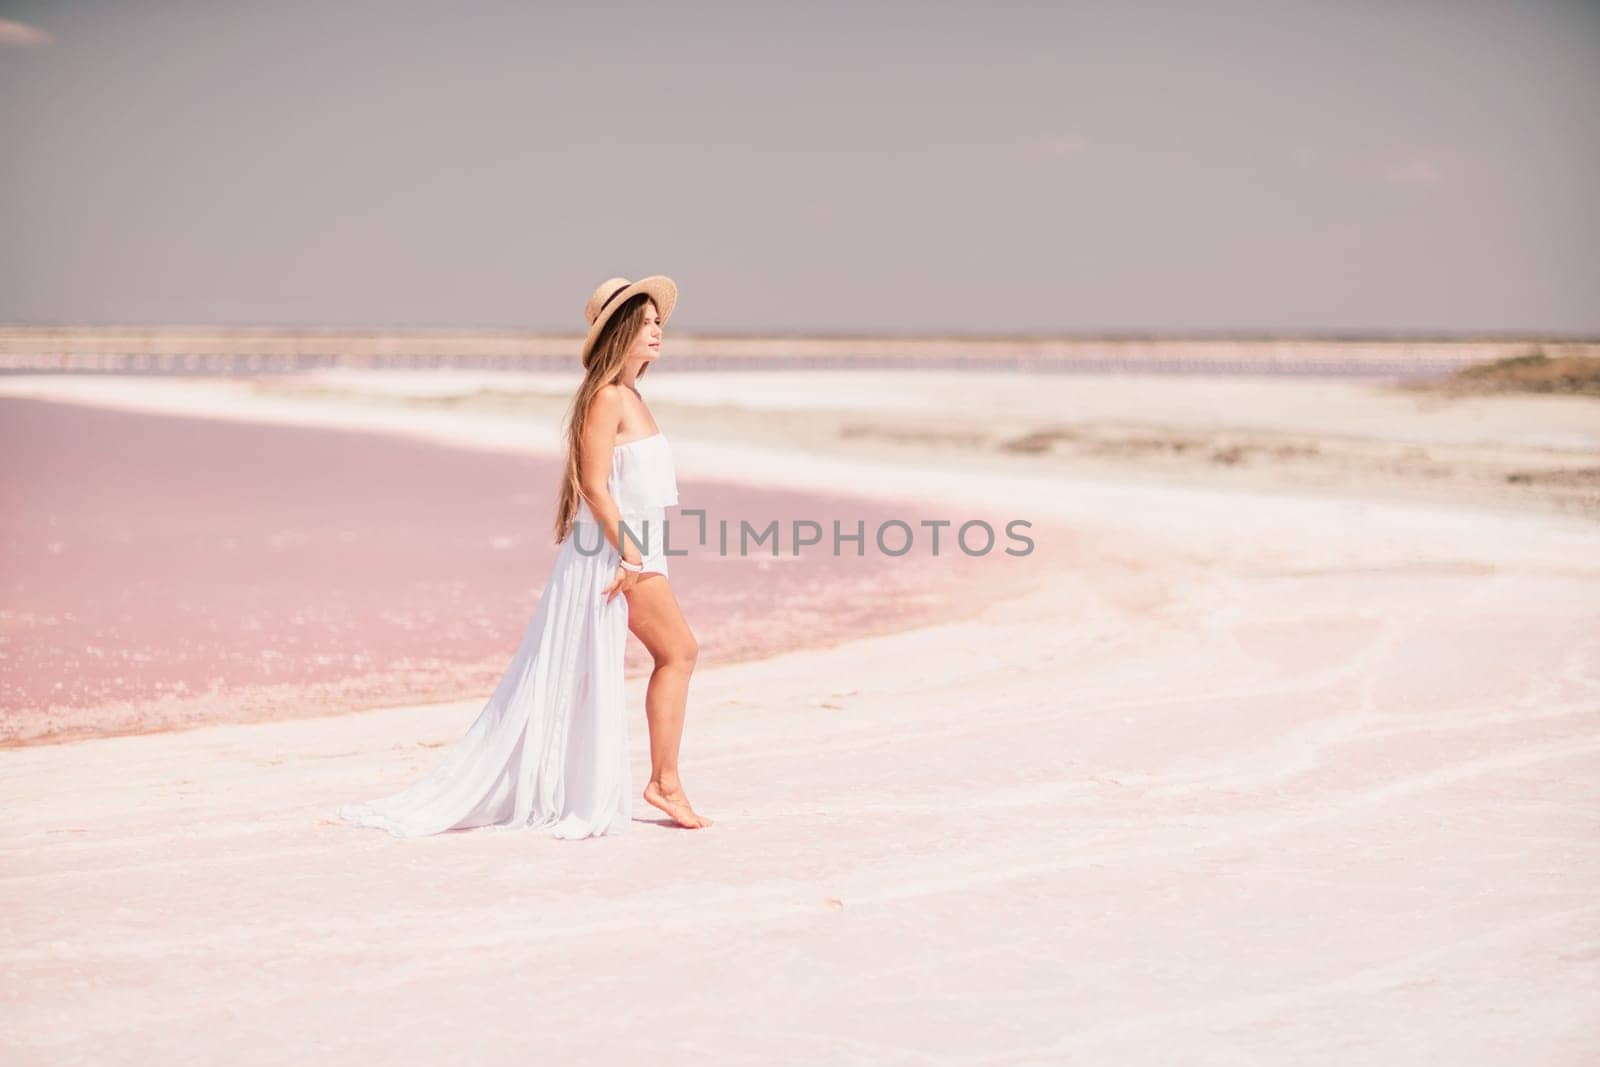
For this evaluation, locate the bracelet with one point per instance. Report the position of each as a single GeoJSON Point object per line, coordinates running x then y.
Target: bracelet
{"type": "Point", "coordinates": [635, 567]}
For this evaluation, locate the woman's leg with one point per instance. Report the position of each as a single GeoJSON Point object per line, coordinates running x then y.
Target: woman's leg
{"type": "Point", "coordinates": [657, 621]}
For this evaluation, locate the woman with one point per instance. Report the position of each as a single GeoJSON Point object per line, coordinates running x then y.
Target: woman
{"type": "Point", "coordinates": [550, 748]}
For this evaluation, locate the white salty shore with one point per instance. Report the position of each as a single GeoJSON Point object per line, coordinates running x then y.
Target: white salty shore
{"type": "Point", "coordinates": [1257, 773]}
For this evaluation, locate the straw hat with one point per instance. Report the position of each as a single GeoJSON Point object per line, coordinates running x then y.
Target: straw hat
{"type": "Point", "coordinates": [613, 292]}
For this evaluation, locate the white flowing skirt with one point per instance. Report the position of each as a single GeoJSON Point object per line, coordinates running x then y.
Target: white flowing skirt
{"type": "Point", "coordinates": [549, 751]}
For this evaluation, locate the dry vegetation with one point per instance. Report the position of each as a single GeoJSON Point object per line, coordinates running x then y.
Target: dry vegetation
{"type": "Point", "coordinates": [1534, 372]}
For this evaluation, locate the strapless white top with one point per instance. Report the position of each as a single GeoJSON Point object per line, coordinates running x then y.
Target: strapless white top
{"type": "Point", "coordinates": [642, 477]}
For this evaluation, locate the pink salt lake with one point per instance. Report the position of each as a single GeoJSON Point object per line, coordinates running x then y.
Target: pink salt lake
{"type": "Point", "coordinates": [162, 572]}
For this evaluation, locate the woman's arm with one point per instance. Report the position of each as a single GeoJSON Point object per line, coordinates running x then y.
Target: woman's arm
{"type": "Point", "coordinates": [594, 466]}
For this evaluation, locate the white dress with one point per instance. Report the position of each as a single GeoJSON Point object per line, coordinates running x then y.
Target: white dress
{"type": "Point", "coordinates": [549, 751]}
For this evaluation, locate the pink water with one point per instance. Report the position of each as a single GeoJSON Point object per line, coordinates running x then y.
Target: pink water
{"type": "Point", "coordinates": [162, 572]}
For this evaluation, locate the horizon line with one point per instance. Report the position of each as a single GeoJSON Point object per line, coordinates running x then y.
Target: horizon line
{"type": "Point", "coordinates": [1334, 336]}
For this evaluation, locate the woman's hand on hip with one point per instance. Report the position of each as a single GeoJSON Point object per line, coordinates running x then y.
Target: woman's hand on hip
{"type": "Point", "coordinates": [621, 583]}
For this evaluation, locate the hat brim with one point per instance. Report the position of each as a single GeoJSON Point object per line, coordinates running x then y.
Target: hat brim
{"type": "Point", "coordinates": [663, 292]}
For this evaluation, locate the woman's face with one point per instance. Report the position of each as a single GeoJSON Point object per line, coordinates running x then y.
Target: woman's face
{"type": "Point", "coordinates": [647, 344]}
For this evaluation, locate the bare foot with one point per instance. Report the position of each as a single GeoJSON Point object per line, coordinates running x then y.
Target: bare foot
{"type": "Point", "coordinates": [675, 804]}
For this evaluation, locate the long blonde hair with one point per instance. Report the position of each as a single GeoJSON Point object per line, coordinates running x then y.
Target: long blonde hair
{"type": "Point", "coordinates": [605, 364]}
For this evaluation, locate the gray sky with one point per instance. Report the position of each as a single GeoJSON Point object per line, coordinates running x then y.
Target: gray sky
{"type": "Point", "coordinates": [1343, 166]}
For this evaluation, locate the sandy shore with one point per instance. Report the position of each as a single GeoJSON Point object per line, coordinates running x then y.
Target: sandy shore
{"type": "Point", "coordinates": [1269, 767]}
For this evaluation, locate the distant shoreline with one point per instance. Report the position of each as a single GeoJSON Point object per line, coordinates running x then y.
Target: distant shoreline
{"type": "Point", "coordinates": [227, 352]}
{"type": "Point", "coordinates": [8, 329]}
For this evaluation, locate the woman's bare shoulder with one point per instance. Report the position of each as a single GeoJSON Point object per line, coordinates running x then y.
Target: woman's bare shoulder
{"type": "Point", "coordinates": [606, 404]}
